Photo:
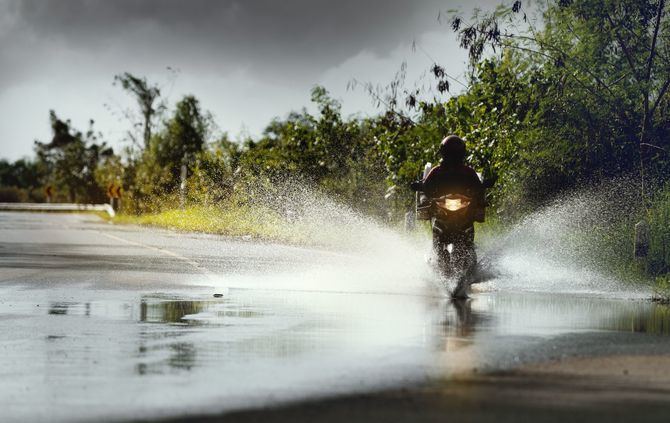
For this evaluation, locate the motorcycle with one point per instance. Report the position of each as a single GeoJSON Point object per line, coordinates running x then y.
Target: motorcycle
{"type": "Point", "coordinates": [452, 218]}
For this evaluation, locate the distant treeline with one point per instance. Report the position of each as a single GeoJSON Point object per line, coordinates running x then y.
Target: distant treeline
{"type": "Point", "coordinates": [577, 97]}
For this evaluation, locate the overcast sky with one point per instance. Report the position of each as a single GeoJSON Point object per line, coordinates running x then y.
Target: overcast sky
{"type": "Point", "coordinates": [247, 60]}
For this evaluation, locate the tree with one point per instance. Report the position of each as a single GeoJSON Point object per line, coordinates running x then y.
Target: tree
{"type": "Point", "coordinates": [147, 96]}
{"type": "Point", "coordinates": [603, 68]}
{"type": "Point", "coordinates": [338, 155]}
{"type": "Point", "coordinates": [70, 159]}
{"type": "Point", "coordinates": [21, 174]}
{"type": "Point", "coordinates": [183, 136]}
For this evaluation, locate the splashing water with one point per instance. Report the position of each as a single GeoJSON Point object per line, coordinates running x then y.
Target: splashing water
{"type": "Point", "coordinates": [556, 249]}
{"type": "Point", "coordinates": [569, 246]}
{"type": "Point", "coordinates": [360, 253]}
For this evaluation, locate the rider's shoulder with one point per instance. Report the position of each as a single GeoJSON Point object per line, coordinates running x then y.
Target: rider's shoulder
{"type": "Point", "coordinates": [467, 169]}
{"type": "Point", "coordinates": [435, 171]}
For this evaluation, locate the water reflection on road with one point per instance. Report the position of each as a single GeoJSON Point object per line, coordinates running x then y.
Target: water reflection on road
{"type": "Point", "coordinates": [190, 332]}
{"type": "Point", "coordinates": [156, 353]}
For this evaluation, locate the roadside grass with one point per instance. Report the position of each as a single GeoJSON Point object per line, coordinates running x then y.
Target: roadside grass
{"type": "Point", "coordinates": [662, 289]}
{"type": "Point", "coordinates": [659, 249]}
{"type": "Point", "coordinates": [233, 220]}
{"type": "Point", "coordinates": [611, 247]}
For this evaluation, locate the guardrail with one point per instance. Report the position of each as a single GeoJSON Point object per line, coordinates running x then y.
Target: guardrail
{"type": "Point", "coordinates": [57, 207]}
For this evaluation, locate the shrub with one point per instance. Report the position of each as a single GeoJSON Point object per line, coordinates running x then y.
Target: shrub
{"type": "Point", "coordinates": [12, 195]}
{"type": "Point", "coordinates": [659, 228]}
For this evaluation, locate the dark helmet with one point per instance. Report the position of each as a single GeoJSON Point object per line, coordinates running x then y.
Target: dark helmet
{"type": "Point", "coordinates": [452, 149]}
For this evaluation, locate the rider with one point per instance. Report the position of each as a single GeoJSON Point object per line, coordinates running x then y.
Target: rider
{"type": "Point", "coordinates": [452, 176]}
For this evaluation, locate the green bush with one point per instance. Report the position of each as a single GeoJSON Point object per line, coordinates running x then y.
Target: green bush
{"type": "Point", "coordinates": [662, 289]}
{"type": "Point", "coordinates": [13, 195]}
{"type": "Point", "coordinates": [659, 225]}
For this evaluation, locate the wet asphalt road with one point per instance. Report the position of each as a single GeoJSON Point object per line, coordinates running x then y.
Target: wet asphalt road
{"type": "Point", "coordinates": [109, 322]}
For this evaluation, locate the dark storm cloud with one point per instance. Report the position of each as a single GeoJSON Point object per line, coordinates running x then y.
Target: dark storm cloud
{"type": "Point", "coordinates": [301, 38]}
{"type": "Point", "coordinates": [247, 60]}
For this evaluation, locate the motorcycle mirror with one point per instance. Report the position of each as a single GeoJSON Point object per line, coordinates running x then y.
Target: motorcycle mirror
{"type": "Point", "coordinates": [416, 186]}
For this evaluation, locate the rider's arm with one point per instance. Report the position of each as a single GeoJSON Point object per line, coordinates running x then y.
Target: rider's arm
{"type": "Point", "coordinates": [478, 192]}
{"type": "Point", "coordinates": [430, 183]}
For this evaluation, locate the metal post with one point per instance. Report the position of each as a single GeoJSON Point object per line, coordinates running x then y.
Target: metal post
{"type": "Point", "coordinates": [182, 186]}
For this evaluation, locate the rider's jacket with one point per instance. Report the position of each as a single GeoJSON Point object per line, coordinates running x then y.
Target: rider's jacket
{"type": "Point", "coordinates": [457, 178]}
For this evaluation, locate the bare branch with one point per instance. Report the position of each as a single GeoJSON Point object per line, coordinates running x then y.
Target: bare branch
{"type": "Point", "coordinates": [593, 92]}
{"type": "Point", "coordinates": [650, 62]}
{"type": "Point", "coordinates": [659, 13]}
{"type": "Point", "coordinates": [435, 62]}
{"type": "Point", "coordinates": [619, 79]}
{"type": "Point", "coordinates": [133, 140]}
{"type": "Point", "coordinates": [661, 93]}
{"type": "Point", "coordinates": [370, 89]}
{"type": "Point", "coordinates": [623, 46]}
{"type": "Point", "coordinates": [579, 68]}
{"type": "Point", "coordinates": [582, 66]}
{"type": "Point", "coordinates": [645, 46]}
{"type": "Point", "coordinates": [646, 144]}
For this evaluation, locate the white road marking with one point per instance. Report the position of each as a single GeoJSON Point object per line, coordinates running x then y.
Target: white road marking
{"type": "Point", "coordinates": [163, 251]}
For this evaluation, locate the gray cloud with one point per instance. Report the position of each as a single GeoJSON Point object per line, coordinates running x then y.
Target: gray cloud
{"type": "Point", "coordinates": [298, 39]}
{"type": "Point", "coordinates": [247, 60]}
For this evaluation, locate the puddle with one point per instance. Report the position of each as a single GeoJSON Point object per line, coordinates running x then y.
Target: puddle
{"type": "Point", "coordinates": [260, 346]}
{"type": "Point", "coordinates": [171, 311]}
{"type": "Point", "coordinates": [69, 307]}
{"type": "Point", "coordinates": [157, 309]}
{"type": "Point", "coordinates": [542, 314]}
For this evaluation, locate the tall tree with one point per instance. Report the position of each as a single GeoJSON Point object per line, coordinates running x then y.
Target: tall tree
{"type": "Point", "coordinates": [182, 137]}
{"type": "Point", "coordinates": [70, 159]}
{"type": "Point", "coordinates": [147, 96]}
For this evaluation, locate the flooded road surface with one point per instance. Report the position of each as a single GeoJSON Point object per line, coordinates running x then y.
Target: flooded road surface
{"type": "Point", "coordinates": [106, 322]}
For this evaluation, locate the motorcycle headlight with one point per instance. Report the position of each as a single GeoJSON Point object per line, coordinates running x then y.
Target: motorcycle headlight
{"type": "Point", "coordinates": [453, 204]}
